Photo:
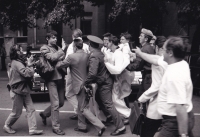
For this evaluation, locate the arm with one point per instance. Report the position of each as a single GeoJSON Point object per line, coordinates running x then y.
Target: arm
{"type": "Point", "coordinates": [93, 69]}
{"type": "Point", "coordinates": [64, 64]}
{"type": "Point", "coordinates": [26, 72]}
{"type": "Point", "coordinates": [182, 118]}
{"type": "Point", "coordinates": [117, 68]}
{"type": "Point", "coordinates": [52, 56]}
{"type": "Point", "coordinates": [152, 59]}
{"type": "Point", "coordinates": [148, 94]}
{"type": "Point", "coordinates": [137, 64]}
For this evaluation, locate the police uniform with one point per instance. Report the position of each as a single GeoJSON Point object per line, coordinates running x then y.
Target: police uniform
{"type": "Point", "coordinates": [99, 74]}
{"type": "Point", "coordinates": [141, 65]}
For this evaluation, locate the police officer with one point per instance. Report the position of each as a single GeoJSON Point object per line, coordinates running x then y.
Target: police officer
{"type": "Point", "coordinates": [141, 65]}
{"type": "Point", "coordinates": [99, 74]}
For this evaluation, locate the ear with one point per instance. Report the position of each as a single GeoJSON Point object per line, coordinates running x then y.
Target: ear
{"type": "Point", "coordinates": [170, 52]}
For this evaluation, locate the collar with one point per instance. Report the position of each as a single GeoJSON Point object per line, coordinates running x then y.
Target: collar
{"type": "Point", "coordinates": [79, 51]}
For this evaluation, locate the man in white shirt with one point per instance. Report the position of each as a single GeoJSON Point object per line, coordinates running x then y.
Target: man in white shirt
{"type": "Point", "coordinates": [153, 119]}
{"type": "Point", "coordinates": [70, 94]}
{"type": "Point", "coordinates": [174, 101]}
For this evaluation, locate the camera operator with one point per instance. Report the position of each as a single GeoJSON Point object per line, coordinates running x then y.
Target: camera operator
{"type": "Point", "coordinates": [21, 72]}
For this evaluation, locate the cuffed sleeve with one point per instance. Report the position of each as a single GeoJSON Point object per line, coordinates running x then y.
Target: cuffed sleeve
{"type": "Point", "coordinates": [58, 55]}
{"type": "Point", "coordinates": [64, 64]}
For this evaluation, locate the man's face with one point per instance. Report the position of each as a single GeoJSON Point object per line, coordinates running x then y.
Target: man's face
{"type": "Point", "coordinates": [52, 40]}
{"type": "Point", "coordinates": [123, 40]}
{"type": "Point", "coordinates": [142, 38]}
{"type": "Point", "coordinates": [159, 51]}
{"type": "Point", "coordinates": [105, 41]}
{"type": "Point", "coordinates": [166, 52]}
{"type": "Point", "coordinates": [109, 46]}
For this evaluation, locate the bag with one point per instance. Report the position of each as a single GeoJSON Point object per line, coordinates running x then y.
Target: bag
{"type": "Point", "coordinates": [44, 68]}
{"type": "Point", "coordinates": [136, 118]}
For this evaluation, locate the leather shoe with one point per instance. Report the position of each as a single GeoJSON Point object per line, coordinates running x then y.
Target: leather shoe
{"type": "Point", "coordinates": [74, 117]}
{"type": "Point", "coordinates": [8, 129]}
{"type": "Point", "coordinates": [118, 132]}
{"type": "Point", "coordinates": [44, 121]}
{"type": "Point", "coordinates": [101, 131]}
{"type": "Point", "coordinates": [58, 132]}
{"type": "Point", "coordinates": [36, 132]}
{"type": "Point", "coordinates": [81, 130]}
{"type": "Point", "coordinates": [126, 121]}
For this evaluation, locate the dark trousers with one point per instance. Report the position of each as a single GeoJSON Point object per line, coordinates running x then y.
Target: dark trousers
{"type": "Point", "coordinates": [170, 126]}
{"type": "Point", "coordinates": [84, 112]}
{"type": "Point", "coordinates": [150, 127]}
{"type": "Point", "coordinates": [145, 85]}
{"type": "Point", "coordinates": [57, 97]}
{"type": "Point", "coordinates": [104, 94]}
{"type": "Point", "coordinates": [3, 63]}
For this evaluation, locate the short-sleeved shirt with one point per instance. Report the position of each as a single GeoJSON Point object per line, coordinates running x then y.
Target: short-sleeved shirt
{"type": "Point", "coordinates": [176, 88]}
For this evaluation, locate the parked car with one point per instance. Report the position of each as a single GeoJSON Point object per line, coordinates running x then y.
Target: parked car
{"type": "Point", "coordinates": [136, 82]}
{"type": "Point", "coordinates": [39, 85]}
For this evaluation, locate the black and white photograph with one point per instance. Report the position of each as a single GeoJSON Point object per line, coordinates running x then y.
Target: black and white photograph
{"type": "Point", "coordinates": [127, 68]}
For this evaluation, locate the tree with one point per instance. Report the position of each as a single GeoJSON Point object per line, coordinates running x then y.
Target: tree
{"type": "Point", "coordinates": [189, 14]}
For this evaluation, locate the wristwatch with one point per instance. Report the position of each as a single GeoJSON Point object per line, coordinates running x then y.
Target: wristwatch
{"type": "Point", "coordinates": [184, 135]}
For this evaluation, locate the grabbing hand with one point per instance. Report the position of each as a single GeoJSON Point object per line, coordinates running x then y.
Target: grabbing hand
{"type": "Point", "coordinates": [132, 56]}
{"type": "Point", "coordinates": [30, 61]}
{"type": "Point", "coordinates": [64, 45]}
{"type": "Point", "coordinates": [137, 50]}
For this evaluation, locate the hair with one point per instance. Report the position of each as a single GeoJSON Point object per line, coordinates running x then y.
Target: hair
{"type": "Point", "coordinates": [160, 41]}
{"type": "Point", "coordinates": [50, 34]}
{"type": "Point", "coordinates": [126, 35]}
{"type": "Point", "coordinates": [77, 33]}
{"type": "Point", "coordinates": [114, 40]}
{"type": "Point", "coordinates": [108, 34]}
{"type": "Point", "coordinates": [13, 51]}
{"type": "Point", "coordinates": [177, 46]}
{"type": "Point", "coordinates": [78, 43]}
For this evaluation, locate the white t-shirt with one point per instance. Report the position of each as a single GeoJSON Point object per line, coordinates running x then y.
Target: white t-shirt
{"type": "Point", "coordinates": [176, 88]}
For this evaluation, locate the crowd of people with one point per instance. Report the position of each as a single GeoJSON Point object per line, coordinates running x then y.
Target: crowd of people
{"type": "Point", "coordinates": [106, 67]}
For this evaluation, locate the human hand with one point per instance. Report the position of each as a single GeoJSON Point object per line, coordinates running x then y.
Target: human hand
{"type": "Point", "coordinates": [30, 61]}
{"type": "Point", "coordinates": [137, 50]}
{"type": "Point", "coordinates": [132, 56]}
{"type": "Point", "coordinates": [64, 45]}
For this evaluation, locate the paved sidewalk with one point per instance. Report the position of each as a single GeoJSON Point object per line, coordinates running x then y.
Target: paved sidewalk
{"type": "Point", "coordinates": [3, 75]}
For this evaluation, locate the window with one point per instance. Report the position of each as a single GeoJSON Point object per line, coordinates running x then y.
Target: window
{"type": "Point", "coordinates": [86, 23]}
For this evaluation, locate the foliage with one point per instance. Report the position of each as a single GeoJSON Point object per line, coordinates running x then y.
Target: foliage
{"type": "Point", "coordinates": [14, 13]}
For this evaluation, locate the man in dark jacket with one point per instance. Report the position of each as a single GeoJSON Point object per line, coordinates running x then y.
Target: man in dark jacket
{"type": "Point", "coordinates": [99, 74]}
{"type": "Point", "coordinates": [55, 83]}
{"type": "Point", "coordinates": [78, 66]}
{"type": "Point", "coordinates": [141, 65]}
{"type": "Point", "coordinates": [19, 78]}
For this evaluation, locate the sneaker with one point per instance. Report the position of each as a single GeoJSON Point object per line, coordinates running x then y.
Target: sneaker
{"type": "Point", "coordinates": [9, 129]}
{"type": "Point", "coordinates": [36, 132]}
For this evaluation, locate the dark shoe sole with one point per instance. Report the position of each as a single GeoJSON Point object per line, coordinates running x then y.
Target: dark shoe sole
{"type": "Point", "coordinates": [81, 130]}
